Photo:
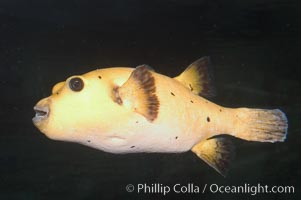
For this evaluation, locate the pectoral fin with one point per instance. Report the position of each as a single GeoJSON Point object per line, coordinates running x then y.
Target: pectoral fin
{"type": "Point", "coordinates": [216, 152]}
{"type": "Point", "coordinates": [197, 78]}
{"type": "Point", "coordinates": [139, 93]}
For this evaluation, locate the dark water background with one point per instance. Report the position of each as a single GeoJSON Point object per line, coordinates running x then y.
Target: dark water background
{"type": "Point", "coordinates": [255, 48]}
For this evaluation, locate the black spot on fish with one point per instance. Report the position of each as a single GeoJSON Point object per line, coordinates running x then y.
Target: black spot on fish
{"type": "Point", "coordinates": [208, 119]}
{"type": "Point", "coordinates": [136, 122]}
{"type": "Point", "coordinates": [99, 77]}
{"type": "Point", "coordinates": [132, 147]}
{"type": "Point", "coordinates": [220, 110]}
{"type": "Point", "coordinates": [88, 141]}
{"type": "Point", "coordinates": [206, 101]}
{"type": "Point", "coordinates": [57, 93]}
{"type": "Point", "coordinates": [176, 137]}
{"type": "Point", "coordinates": [191, 101]}
{"type": "Point", "coordinates": [172, 94]}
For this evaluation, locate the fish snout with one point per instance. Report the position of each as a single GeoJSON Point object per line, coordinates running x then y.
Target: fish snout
{"type": "Point", "coordinates": [42, 111]}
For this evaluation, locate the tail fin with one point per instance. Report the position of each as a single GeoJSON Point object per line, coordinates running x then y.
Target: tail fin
{"type": "Point", "coordinates": [261, 125]}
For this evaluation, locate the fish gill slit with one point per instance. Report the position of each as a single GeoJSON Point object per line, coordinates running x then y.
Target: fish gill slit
{"type": "Point", "coordinates": [116, 96]}
{"type": "Point", "coordinates": [191, 88]}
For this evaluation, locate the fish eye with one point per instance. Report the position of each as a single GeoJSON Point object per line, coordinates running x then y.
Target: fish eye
{"type": "Point", "coordinates": [76, 84]}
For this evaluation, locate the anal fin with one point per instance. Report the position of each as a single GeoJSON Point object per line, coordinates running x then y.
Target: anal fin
{"type": "Point", "coordinates": [139, 93]}
{"type": "Point", "coordinates": [216, 152]}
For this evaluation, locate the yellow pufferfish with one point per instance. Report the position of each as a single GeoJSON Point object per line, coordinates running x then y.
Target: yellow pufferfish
{"type": "Point", "coordinates": [129, 110]}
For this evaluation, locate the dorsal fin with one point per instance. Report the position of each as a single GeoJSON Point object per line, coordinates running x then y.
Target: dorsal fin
{"type": "Point", "coordinates": [216, 152]}
{"type": "Point", "coordinates": [139, 93]}
{"type": "Point", "coordinates": [197, 78]}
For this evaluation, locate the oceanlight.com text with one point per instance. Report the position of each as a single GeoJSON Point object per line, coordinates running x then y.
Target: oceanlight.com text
{"type": "Point", "coordinates": [191, 188]}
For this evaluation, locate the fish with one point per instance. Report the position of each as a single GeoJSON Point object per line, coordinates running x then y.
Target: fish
{"type": "Point", "coordinates": [137, 110]}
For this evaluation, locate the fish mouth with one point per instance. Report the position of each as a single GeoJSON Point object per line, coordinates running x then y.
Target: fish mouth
{"type": "Point", "coordinates": [42, 113]}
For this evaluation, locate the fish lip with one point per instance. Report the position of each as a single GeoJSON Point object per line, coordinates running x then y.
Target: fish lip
{"type": "Point", "coordinates": [42, 113]}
